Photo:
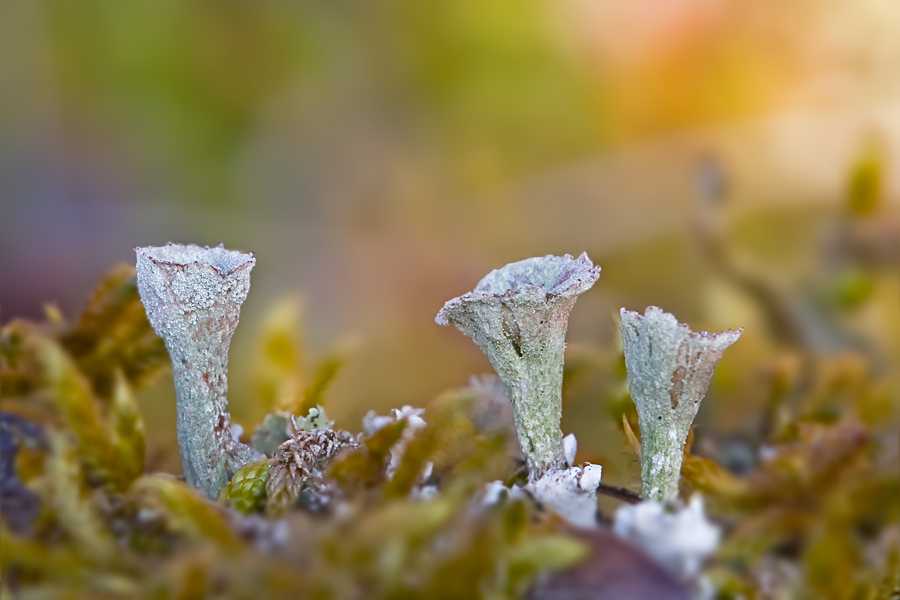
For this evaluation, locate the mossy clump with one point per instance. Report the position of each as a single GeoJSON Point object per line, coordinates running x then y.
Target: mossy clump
{"type": "Point", "coordinates": [322, 517]}
{"type": "Point", "coordinates": [246, 492]}
{"type": "Point", "coordinates": [398, 507]}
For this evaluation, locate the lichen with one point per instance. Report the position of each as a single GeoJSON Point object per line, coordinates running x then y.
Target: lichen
{"type": "Point", "coordinates": [518, 316]}
{"type": "Point", "coordinates": [669, 370]}
{"type": "Point", "coordinates": [193, 298]}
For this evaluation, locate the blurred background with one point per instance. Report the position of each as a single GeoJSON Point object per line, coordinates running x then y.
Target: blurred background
{"type": "Point", "coordinates": [734, 162]}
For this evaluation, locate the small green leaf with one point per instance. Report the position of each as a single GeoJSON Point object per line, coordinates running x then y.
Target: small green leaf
{"type": "Point", "coordinates": [71, 504]}
{"type": "Point", "coordinates": [246, 492]}
{"type": "Point", "coordinates": [113, 333]}
{"type": "Point", "coordinates": [186, 510]}
{"type": "Point", "coordinates": [127, 431]}
{"type": "Point", "coordinates": [324, 376]}
{"type": "Point", "coordinates": [548, 553]}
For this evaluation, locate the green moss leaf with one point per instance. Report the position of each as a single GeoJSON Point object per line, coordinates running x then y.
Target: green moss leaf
{"type": "Point", "coordinates": [547, 553]}
{"type": "Point", "coordinates": [246, 492]}
{"type": "Point", "coordinates": [127, 428]}
{"type": "Point", "coordinates": [186, 511]}
{"type": "Point", "coordinates": [72, 507]}
{"type": "Point", "coordinates": [113, 334]}
{"type": "Point", "coordinates": [366, 466]}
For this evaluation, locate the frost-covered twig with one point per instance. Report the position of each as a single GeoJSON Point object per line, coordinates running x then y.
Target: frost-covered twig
{"type": "Point", "coordinates": [669, 370]}
{"type": "Point", "coordinates": [193, 299]}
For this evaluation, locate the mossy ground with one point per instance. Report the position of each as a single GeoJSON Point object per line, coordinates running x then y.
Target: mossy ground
{"type": "Point", "coordinates": [811, 512]}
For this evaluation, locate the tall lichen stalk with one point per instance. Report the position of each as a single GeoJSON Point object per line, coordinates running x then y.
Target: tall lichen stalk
{"type": "Point", "coordinates": [518, 316]}
{"type": "Point", "coordinates": [193, 298]}
{"type": "Point", "coordinates": [669, 370]}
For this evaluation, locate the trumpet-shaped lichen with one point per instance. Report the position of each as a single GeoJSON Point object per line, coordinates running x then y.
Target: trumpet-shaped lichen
{"type": "Point", "coordinates": [518, 316]}
{"type": "Point", "coordinates": [669, 370]}
{"type": "Point", "coordinates": [193, 299]}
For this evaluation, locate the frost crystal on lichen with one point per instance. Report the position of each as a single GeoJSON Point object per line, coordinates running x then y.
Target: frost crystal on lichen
{"type": "Point", "coordinates": [669, 370]}
{"type": "Point", "coordinates": [518, 316]}
{"type": "Point", "coordinates": [193, 299]}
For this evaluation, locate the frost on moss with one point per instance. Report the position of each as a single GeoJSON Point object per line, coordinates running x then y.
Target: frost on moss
{"type": "Point", "coordinates": [298, 469]}
{"type": "Point", "coordinates": [669, 370]}
{"type": "Point", "coordinates": [193, 299]}
{"type": "Point", "coordinates": [518, 316]}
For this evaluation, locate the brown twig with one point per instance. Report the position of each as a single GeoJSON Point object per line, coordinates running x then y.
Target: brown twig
{"type": "Point", "coordinates": [619, 493]}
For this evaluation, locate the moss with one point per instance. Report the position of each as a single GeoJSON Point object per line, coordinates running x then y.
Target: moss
{"type": "Point", "coordinates": [355, 519]}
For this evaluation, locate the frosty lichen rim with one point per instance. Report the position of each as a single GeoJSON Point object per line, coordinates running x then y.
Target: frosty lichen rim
{"type": "Point", "coordinates": [574, 285]}
{"type": "Point", "coordinates": [151, 253]}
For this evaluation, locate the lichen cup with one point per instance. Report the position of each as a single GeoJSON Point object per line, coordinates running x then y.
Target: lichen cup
{"type": "Point", "coordinates": [518, 316]}
{"type": "Point", "coordinates": [193, 299]}
{"type": "Point", "coordinates": [669, 370]}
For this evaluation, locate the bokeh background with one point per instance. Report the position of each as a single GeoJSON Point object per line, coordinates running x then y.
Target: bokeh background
{"type": "Point", "coordinates": [734, 162]}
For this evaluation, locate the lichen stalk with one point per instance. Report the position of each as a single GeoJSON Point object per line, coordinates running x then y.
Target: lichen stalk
{"type": "Point", "coordinates": [193, 298]}
{"type": "Point", "coordinates": [669, 370]}
{"type": "Point", "coordinates": [518, 316]}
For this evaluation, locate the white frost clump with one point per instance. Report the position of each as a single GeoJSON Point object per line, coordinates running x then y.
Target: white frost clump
{"type": "Point", "coordinates": [681, 540]}
{"type": "Point", "coordinates": [373, 423]}
{"type": "Point", "coordinates": [570, 448]}
{"type": "Point", "coordinates": [495, 491]}
{"type": "Point", "coordinates": [571, 493]}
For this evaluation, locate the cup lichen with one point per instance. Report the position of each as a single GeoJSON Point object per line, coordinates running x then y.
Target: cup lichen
{"type": "Point", "coordinates": [193, 299]}
{"type": "Point", "coordinates": [518, 316]}
{"type": "Point", "coordinates": [669, 370]}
